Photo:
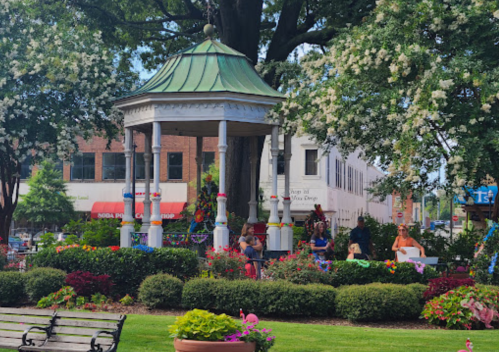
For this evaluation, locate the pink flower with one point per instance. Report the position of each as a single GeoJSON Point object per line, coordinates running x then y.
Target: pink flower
{"type": "Point", "coordinates": [246, 332]}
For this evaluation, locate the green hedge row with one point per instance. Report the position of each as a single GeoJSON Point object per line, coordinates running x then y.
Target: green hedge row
{"type": "Point", "coordinates": [16, 288]}
{"type": "Point", "coordinates": [127, 267]}
{"type": "Point", "coordinates": [351, 273]}
{"type": "Point", "coordinates": [280, 298]}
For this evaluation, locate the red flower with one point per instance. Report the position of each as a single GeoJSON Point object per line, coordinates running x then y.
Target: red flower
{"type": "Point", "coordinates": [209, 264]}
{"type": "Point", "coordinates": [299, 269]}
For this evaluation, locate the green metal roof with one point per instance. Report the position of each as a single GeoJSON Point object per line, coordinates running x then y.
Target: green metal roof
{"type": "Point", "coordinates": [208, 67]}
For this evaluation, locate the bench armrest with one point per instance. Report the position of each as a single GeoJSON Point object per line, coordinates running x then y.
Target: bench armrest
{"type": "Point", "coordinates": [29, 342]}
{"type": "Point", "coordinates": [96, 347]}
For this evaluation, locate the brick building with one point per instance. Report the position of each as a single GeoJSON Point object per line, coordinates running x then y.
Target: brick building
{"type": "Point", "coordinates": [98, 174]}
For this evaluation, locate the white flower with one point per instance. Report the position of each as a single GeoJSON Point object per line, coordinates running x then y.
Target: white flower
{"type": "Point", "coordinates": [496, 14]}
{"type": "Point", "coordinates": [438, 94]}
{"type": "Point", "coordinates": [486, 108]}
{"type": "Point", "coordinates": [446, 84]}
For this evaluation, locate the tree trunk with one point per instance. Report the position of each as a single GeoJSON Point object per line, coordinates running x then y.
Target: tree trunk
{"type": "Point", "coordinates": [239, 25]}
{"type": "Point", "coordinates": [5, 220]}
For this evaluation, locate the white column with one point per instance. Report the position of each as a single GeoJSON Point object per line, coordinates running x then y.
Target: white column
{"type": "Point", "coordinates": [286, 222]}
{"type": "Point", "coordinates": [253, 161]}
{"type": "Point", "coordinates": [199, 163]}
{"type": "Point", "coordinates": [128, 219]}
{"type": "Point", "coordinates": [274, 231]}
{"type": "Point", "coordinates": [221, 232]}
{"type": "Point", "coordinates": [155, 236]}
{"type": "Point", "coordinates": [146, 219]}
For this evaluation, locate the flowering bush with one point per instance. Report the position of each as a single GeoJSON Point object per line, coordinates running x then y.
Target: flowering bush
{"type": "Point", "coordinates": [3, 255]}
{"type": "Point", "coordinates": [467, 307]}
{"type": "Point", "coordinates": [437, 287]}
{"type": "Point", "coordinates": [65, 296]}
{"type": "Point", "coordinates": [86, 284]}
{"type": "Point", "coordinates": [263, 338]}
{"type": "Point", "coordinates": [486, 267]}
{"type": "Point", "coordinates": [299, 268]}
{"type": "Point", "coordinates": [228, 264]}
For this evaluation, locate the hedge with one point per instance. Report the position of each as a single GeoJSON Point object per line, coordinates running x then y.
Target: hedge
{"type": "Point", "coordinates": [127, 267]}
{"type": "Point", "coordinates": [351, 273]}
{"type": "Point", "coordinates": [12, 290]}
{"type": "Point", "coordinates": [276, 298]}
{"type": "Point", "coordinates": [377, 302]}
{"type": "Point", "coordinates": [40, 282]}
{"type": "Point", "coordinates": [161, 291]}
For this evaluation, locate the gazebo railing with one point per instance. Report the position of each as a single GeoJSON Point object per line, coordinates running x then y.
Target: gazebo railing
{"type": "Point", "coordinates": [193, 241]}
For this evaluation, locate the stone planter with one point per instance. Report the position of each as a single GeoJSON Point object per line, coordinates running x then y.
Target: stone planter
{"type": "Point", "coordinates": [210, 346]}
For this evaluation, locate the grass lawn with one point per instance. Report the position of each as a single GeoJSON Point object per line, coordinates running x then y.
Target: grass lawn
{"type": "Point", "coordinates": [149, 333]}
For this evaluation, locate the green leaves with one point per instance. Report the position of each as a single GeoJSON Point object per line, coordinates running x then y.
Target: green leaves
{"type": "Point", "coordinates": [202, 325]}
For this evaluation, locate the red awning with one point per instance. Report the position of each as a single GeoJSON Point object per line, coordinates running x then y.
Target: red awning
{"type": "Point", "coordinates": [115, 210]}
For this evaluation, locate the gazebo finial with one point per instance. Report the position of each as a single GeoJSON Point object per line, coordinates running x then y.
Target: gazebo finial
{"type": "Point", "coordinates": [209, 30]}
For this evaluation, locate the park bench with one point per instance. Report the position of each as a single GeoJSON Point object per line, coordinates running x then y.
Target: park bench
{"type": "Point", "coordinates": [31, 330]}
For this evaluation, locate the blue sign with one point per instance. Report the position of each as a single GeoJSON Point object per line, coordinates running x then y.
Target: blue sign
{"type": "Point", "coordinates": [480, 195]}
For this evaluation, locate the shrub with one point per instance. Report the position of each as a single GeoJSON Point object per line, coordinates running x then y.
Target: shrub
{"type": "Point", "coordinates": [127, 300]}
{"type": "Point", "coordinates": [467, 307]}
{"type": "Point", "coordinates": [87, 284]}
{"type": "Point", "coordinates": [199, 293]}
{"type": "Point", "coordinates": [437, 287]}
{"type": "Point", "coordinates": [377, 302]}
{"type": "Point", "coordinates": [486, 269]}
{"type": "Point", "coordinates": [11, 288]}
{"type": "Point", "coordinates": [351, 273]}
{"type": "Point", "coordinates": [419, 290]}
{"type": "Point", "coordinates": [277, 298]}
{"type": "Point", "coordinates": [161, 291]}
{"type": "Point", "coordinates": [127, 267]}
{"type": "Point", "coordinates": [228, 264]}
{"type": "Point", "coordinates": [42, 281]}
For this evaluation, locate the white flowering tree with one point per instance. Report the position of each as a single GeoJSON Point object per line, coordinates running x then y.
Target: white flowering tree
{"type": "Point", "coordinates": [414, 87]}
{"type": "Point", "coordinates": [56, 84]}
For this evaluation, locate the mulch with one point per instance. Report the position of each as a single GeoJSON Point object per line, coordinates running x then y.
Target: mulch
{"type": "Point", "coordinates": [141, 309]}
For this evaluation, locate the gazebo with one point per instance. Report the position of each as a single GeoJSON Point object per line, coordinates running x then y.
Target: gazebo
{"type": "Point", "coordinates": [207, 90]}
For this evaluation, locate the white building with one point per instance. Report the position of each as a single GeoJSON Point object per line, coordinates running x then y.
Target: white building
{"type": "Point", "coordinates": [338, 185]}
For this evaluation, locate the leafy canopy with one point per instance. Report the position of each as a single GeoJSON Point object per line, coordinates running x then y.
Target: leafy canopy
{"type": "Point", "coordinates": [417, 83]}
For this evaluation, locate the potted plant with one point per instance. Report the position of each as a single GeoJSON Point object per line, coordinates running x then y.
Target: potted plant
{"type": "Point", "coordinates": [202, 331]}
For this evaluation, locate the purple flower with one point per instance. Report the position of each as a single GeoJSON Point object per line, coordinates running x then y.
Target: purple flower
{"type": "Point", "coordinates": [269, 338]}
{"type": "Point", "coordinates": [250, 327]}
{"type": "Point", "coordinates": [246, 333]}
{"type": "Point", "coordinates": [264, 330]}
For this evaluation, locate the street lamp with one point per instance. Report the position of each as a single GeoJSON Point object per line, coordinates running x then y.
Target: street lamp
{"type": "Point", "coordinates": [134, 162]}
{"type": "Point", "coordinates": [490, 196]}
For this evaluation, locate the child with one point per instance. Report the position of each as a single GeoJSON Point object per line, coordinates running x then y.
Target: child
{"type": "Point", "coordinates": [354, 252]}
{"type": "Point", "coordinates": [250, 253]}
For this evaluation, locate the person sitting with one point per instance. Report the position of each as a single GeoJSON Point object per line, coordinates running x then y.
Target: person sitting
{"type": "Point", "coordinates": [251, 266]}
{"type": "Point", "coordinates": [354, 252]}
{"type": "Point", "coordinates": [319, 242]}
{"type": "Point", "coordinates": [404, 240]}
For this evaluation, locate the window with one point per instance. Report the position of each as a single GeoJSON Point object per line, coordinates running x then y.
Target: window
{"type": "Point", "coordinates": [26, 168]}
{"type": "Point", "coordinates": [356, 182]}
{"type": "Point", "coordinates": [140, 167]}
{"type": "Point", "coordinates": [59, 166]}
{"type": "Point", "coordinates": [350, 179]}
{"type": "Point", "coordinates": [113, 166]}
{"type": "Point", "coordinates": [83, 167]}
{"type": "Point", "coordinates": [344, 175]}
{"type": "Point", "coordinates": [280, 162]}
{"type": "Point", "coordinates": [174, 166]}
{"type": "Point", "coordinates": [311, 162]}
{"type": "Point", "coordinates": [328, 170]}
{"type": "Point", "coordinates": [208, 159]}
{"type": "Point", "coordinates": [361, 191]}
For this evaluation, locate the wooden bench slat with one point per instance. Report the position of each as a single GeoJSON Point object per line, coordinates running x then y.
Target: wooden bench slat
{"type": "Point", "coordinates": [87, 324]}
{"type": "Point", "coordinates": [10, 345]}
{"type": "Point", "coordinates": [14, 326]}
{"type": "Point", "coordinates": [22, 311]}
{"type": "Point", "coordinates": [93, 316]}
{"type": "Point", "coordinates": [81, 339]}
{"type": "Point", "coordinates": [75, 331]}
{"type": "Point", "coordinates": [24, 319]}
{"type": "Point", "coordinates": [56, 347]}
{"type": "Point", "coordinates": [19, 334]}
